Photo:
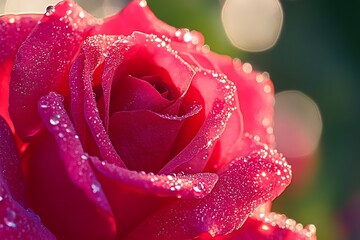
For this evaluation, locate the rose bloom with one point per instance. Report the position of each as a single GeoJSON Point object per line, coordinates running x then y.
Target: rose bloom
{"type": "Point", "coordinates": [128, 128]}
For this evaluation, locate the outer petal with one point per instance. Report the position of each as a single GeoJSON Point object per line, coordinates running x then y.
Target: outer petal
{"type": "Point", "coordinates": [13, 31]}
{"type": "Point", "coordinates": [43, 60]}
{"type": "Point", "coordinates": [255, 93]}
{"type": "Point", "coordinates": [269, 226]}
{"type": "Point", "coordinates": [63, 188]}
{"type": "Point", "coordinates": [10, 164]}
{"type": "Point", "coordinates": [243, 185]}
{"type": "Point", "coordinates": [17, 223]}
{"type": "Point", "coordinates": [136, 195]}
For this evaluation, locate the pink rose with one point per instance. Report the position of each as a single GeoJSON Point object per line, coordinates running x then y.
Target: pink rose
{"type": "Point", "coordinates": [133, 130]}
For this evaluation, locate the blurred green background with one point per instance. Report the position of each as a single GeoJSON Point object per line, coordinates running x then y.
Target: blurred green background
{"type": "Point", "coordinates": [317, 53]}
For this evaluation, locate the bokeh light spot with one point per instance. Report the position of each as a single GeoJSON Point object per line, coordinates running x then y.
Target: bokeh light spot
{"type": "Point", "coordinates": [252, 25]}
{"type": "Point", "coordinates": [298, 124]}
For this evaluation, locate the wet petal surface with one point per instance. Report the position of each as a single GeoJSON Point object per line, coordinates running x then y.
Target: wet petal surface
{"type": "Point", "coordinates": [243, 185]}
{"type": "Point", "coordinates": [62, 185]}
{"type": "Point", "coordinates": [136, 195]}
{"type": "Point", "coordinates": [42, 66]}
{"type": "Point", "coordinates": [15, 221]}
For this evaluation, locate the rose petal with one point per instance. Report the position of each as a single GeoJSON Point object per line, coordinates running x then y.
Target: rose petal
{"type": "Point", "coordinates": [217, 95]}
{"type": "Point", "coordinates": [136, 94]}
{"type": "Point", "coordinates": [83, 104]}
{"type": "Point", "coordinates": [269, 226]}
{"type": "Point", "coordinates": [10, 163]}
{"type": "Point", "coordinates": [255, 93]}
{"type": "Point", "coordinates": [62, 186]}
{"type": "Point", "coordinates": [145, 139]}
{"type": "Point", "coordinates": [145, 55]}
{"type": "Point", "coordinates": [226, 148]}
{"type": "Point", "coordinates": [139, 46]}
{"type": "Point", "coordinates": [243, 185]}
{"type": "Point", "coordinates": [135, 195]}
{"type": "Point", "coordinates": [124, 23]}
{"type": "Point", "coordinates": [43, 60]}
{"type": "Point", "coordinates": [16, 222]}
{"type": "Point", "coordinates": [255, 98]}
{"type": "Point", "coordinates": [174, 185]}
{"type": "Point", "coordinates": [13, 31]}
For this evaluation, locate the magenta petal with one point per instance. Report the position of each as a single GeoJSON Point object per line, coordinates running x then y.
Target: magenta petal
{"type": "Point", "coordinates": [10, 166]}
{"type": "Point", "coordinates": [243, 185]}
{"type": "Point", "coordinates": [135, 195]}
{"type": "Point", "coordinates": [132, 93]}
{"type": "Point", "coordinates": [62, 186]}
{"type": "Point", "coordinates": [13, 31]}
{"type": "Point", "coordinates": [269, 226]}
{"type": "Point", "coordinates": [18, 223]}
{"type": "Point", "coordinates": [217, 93]}
{"type": "Point", "coordinates": [43, 60]}
{"type": "Point", "coordinates": [256, 97]}
{"type": "Point", "coordinates": [84, 108]}
{"type": "Point", "coordinates": [145, 139]}
{"type": "Point", "coordinates": [186, 186]}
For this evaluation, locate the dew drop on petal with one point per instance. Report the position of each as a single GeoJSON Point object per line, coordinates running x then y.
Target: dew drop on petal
{"type": "Point", "coordinates": [198, 187]}
{"type": "Point", "coordinates": [95, 187]}
{"type": "Point", "coordinates": [50, 10]}
{"type": "Point", "coordinates": [55, 119]}
{"type": "Point", "coordinates": [9, 218]}
{"type": "Point", "coordinates": [2, 193]}
{"type": "Point", "coordinates": [81, 14]}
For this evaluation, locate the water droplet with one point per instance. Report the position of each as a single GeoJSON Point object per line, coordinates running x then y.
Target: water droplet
{"type": "Point", "coordinates": [267, 89]}
{"type": "Point", "coordinates": [143, 3]}
{"type": "Point", "coordinates": [187, 37]}
{"type": "Point", "coordinates": [198, 187]}
{"type": "Point", "coordinates": [2, 193]}
{"type": "Point", "coordinates": [95, 187]}
{"type": "Point", "coordinates": [9, 218]}
{"type": "Point", "coordinates": [50, 10]}
{"type": "Point", "coordinates": [84, 156]}
{"type": "Point", "coordinates": [247, 68]}
{"type": "Point", "coordinates": [55, 119]}
{"type": "Point", "coordinates": [81, 14]}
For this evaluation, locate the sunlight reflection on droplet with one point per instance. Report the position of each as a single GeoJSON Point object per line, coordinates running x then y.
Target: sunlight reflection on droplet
{"type": "Point", "coordinates": [298, 124]}
{"type": "Point", "coordinates": [20, 6]}
{"type": "Point", "coordinates": [252, 25]}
